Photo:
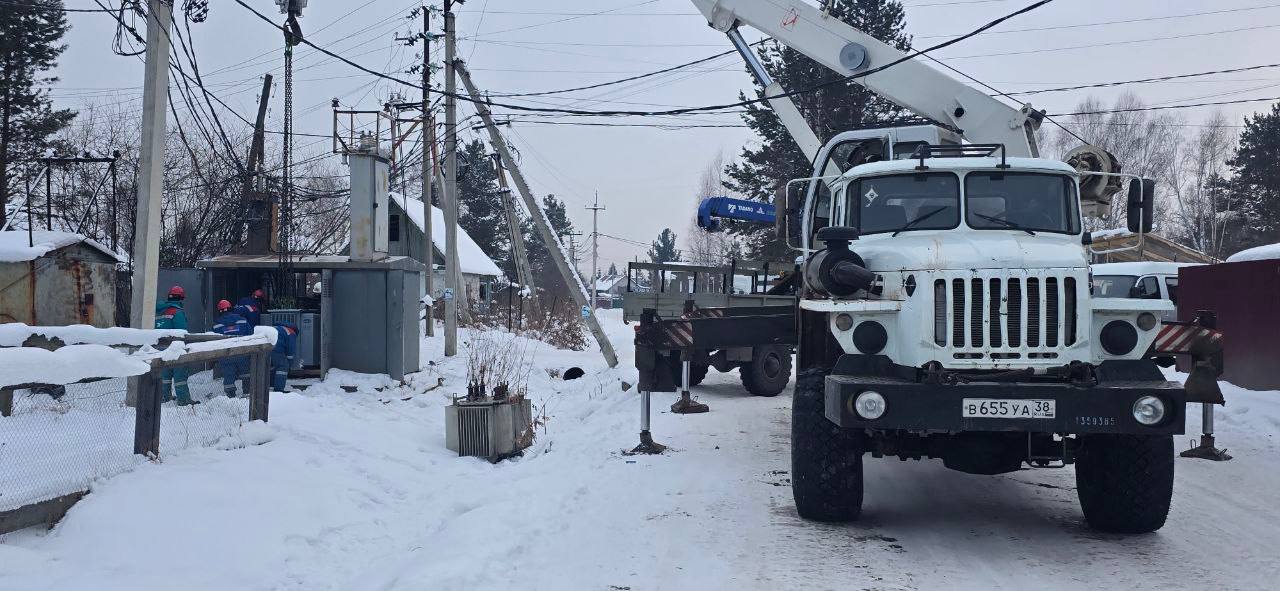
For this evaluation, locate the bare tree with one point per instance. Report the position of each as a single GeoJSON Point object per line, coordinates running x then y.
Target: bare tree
{"type": "Point", "coordinates": [703, 247]}
{"type": "Point", "coordinates": [1146, 144]}
{"type": "Point", "coordinates": [1203, 207]}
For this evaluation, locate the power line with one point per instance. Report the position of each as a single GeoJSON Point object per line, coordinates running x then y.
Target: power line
{"type": "Point", "coordinates": [1147, 80]}
{"type": "Point", "coordinates": [680, 111]}
{"type": "Point", "coordinates": [1167, 107]}
{"type": "Point", "coordinates": [1114, 43]}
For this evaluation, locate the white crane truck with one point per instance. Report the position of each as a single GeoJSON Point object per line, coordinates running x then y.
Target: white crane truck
{"type": "Point", "coordinates": [946, 310]}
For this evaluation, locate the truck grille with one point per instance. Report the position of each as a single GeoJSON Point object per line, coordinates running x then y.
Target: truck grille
{"type": "Point", "coordinates": [1005, 315]}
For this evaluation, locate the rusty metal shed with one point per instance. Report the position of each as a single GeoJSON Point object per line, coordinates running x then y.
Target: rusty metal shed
{"type": "Point", "coordinates": [1244, 296]}
{"type": "Point", "coordinates": [55, 278]}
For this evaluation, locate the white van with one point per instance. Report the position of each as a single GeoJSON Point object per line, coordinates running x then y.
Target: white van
{"type": "Point", "coordinates": [1141, 280]}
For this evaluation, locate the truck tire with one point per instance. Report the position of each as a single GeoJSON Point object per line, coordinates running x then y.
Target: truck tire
{"type": "Point", "coordinates": [1125, 482]}
{"type": "Point", "coordinates": [697, 371]}
{"type": "Point", "coordinates": [768, 372]}
{"type": "Point", "coordinates": [826, 461]}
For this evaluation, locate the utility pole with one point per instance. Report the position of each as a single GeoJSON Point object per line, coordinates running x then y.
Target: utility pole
{"type": "Point", "coordinates": [450, 186]}
{"type": "Point", "coordinates": [429, 166]}
{"type": "Point", "coordinates": [260, 233]}
{"type": "Point", "coordinates": [155, 91]}
{"type": "Point", "coordinates": [573, 251]}
{"type": "Point", "coordinates": [595, 245]}
{"type": "Point", "coordinates": [571, 279]}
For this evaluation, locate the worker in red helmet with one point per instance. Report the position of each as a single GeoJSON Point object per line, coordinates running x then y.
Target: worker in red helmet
{"type": "Point", "coordinates": [170, 315]}
{"type": "Point", "coordinates": [231, 324]}
{"type": "Point", "coordinates": [252, 306]}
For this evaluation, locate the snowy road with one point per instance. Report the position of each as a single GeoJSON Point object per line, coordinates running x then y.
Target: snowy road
{"type": "Point", "coordinates": [356, 491]}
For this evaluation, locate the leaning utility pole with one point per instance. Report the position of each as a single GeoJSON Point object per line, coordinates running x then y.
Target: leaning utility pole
{"type": "Point", "coordinates": [450, 187]}
{"type": "Point", "coordinates": [571, 279]}
{"type": "Point", "coordinates": [155, 91]}
{"type": "Point", "coordinates": [595, 245]}
{"type": "Point", "coordinates": [524, 273]}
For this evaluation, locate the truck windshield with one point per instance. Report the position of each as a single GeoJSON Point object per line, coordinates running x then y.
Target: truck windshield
{"type": "Point", "coordinates": [1021, 201]}
{"type": "Point", "coordinates": [905, 202]}
{"type": "Point", "coordinates": [1113, 286]}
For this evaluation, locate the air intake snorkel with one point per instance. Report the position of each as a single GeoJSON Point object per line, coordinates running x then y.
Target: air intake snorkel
{"type": "Point", "coordinates": [835, 270]}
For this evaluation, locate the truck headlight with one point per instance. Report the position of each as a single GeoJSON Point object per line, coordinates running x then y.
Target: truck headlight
{"type": "Point", "coordinates": [869, 405]}
{"type": "Point", "coordinates": [1119, 337]}
{"type": "Point", "coordinates": [1148, 410]}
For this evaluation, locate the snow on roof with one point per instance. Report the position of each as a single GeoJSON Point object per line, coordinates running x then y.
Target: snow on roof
{"type": "Point", "coordinates": [1112, 233]}
{"type": "Point", "coordinates": [67, 365]}
{"type": "Point", "coordinates": [1257, 253]}
{"type": "Point", "coordinates": [607, 283]}
{"type": "Point", "coordinates": [15, 248]}
{"type": "Point", "coordinates": [15, 333]}
{"type": "Point", "coordinates": [470, 257]}
{"type": "Point", "coordinates": [1139, 268]}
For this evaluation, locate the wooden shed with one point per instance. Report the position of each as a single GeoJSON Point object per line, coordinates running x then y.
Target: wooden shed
{"type": "Point", "coordinates": [54, 278]}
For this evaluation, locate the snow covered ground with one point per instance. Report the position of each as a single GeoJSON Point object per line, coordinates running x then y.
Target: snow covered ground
{"type": "Point", "coordinates": [357, 491]}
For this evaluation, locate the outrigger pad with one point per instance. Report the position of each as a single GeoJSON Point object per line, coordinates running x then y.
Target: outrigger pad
{"type": "Point", "coordinates": [686, 406]}
{"type": "Point", "coordinates": [1207, 451]}
{"type": "Point", "coordinates": [647, 446]}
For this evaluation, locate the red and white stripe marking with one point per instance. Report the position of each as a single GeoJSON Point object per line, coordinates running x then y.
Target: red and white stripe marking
{"type": "Point", "coordinates": [1178, 338]}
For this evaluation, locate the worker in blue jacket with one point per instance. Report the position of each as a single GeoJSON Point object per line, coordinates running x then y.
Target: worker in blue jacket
{"type": "Point", "coordinates": [251, 308]}
{"type": "Point", "coordinates": [282, 355]}
{"type": "Point", "coordinates": [170, 315]}
{"type": "Point", "coordinates": [233, 325]}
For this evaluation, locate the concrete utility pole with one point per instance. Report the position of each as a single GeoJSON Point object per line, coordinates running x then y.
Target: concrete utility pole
{"type": "Point", "coordinates": [571, 279]}
{"type": "Point", "coordinates": [428, 139]}
{"type": "Point", "coordinates": [595, 245]}
{"type": "Point", "coordinates": [155, 93]}
{"type": "Point", "coordinates": [450, 186]}
{"type": "Point", "coordinates": [524, 273]}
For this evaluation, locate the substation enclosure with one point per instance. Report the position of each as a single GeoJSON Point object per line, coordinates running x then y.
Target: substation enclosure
{"type": "Point", "coordinates": [366, 318]}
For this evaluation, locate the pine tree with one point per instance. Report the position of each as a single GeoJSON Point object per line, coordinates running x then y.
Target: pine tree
{"type": "Point", "coordinates": [29, 47]}
{"type": "Point", "coordinates": [664, 248]}
{"type": "Point", "coordinates": [828, 110]}
{"type": "Point", "coordinates": [613, 269]}
{"type": "Point", "coordinates": [544, 269]}
{"type": "Point", "coordinates": [480, 210]}
{"type": "Point", "coordinates": [1256, 167]}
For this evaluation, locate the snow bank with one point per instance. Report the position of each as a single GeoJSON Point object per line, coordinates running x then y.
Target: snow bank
{"type": "Point", "coordinates": [15, 247]}
{"type": "Point", "coordinates": [67, 365]}
{"type": "Point", "coordinates": [471, 259]}
{"type": "Point", "coordinates": [1257, 253]}
{"type": "Point", "coordinates": [15, 333]}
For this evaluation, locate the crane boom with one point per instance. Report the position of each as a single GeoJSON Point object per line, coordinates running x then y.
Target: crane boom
{"type": "Point", "coordinates": [911, 84]}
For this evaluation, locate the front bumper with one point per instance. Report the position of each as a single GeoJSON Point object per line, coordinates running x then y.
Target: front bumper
{"type": "Point", "coordinates": [913, 406]}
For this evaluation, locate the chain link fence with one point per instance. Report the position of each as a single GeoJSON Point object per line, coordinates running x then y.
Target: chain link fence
{"type": "Point", "coordinates": [56, 440]}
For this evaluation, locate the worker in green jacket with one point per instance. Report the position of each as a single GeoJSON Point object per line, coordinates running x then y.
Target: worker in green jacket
{"type": "Point", "coordinates": [169, 314]}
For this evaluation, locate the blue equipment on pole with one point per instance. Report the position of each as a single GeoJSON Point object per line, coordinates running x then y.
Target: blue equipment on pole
{"type": "Point", "coordinates": [713, 209]}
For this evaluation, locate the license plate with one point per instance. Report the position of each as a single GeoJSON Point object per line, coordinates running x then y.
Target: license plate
{"type": "Point", "coordinates": [1004, 408]}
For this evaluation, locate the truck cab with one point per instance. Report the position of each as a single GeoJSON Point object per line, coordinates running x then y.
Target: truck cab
{"type": "Point", "coordinates": [946, 312]}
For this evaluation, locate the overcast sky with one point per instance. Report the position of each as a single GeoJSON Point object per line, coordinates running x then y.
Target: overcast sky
{"type": "Point", "coordinates": [648, 177]}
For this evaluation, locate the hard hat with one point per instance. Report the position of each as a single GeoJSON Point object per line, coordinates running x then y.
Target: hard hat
{"type": "Point", "coordinates": [177, 291]}
{"type": "Point", "coordinates": [258, 293]}
{"type": "Point", "coordinates": [223, 305]}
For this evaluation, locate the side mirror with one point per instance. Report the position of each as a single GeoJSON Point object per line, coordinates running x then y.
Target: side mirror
{"type": "Point", "coordinates": [1142, 205]}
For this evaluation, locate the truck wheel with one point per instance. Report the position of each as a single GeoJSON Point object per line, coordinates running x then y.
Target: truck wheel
{"type": "Point", "coordinates": [826, 461]}
{"type": "Point", "coordinates": [768, 372]}
{"type": "Point", "coordinates": [1125, 482]}
{"type": "Point", "coordinates": [697, 371]}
